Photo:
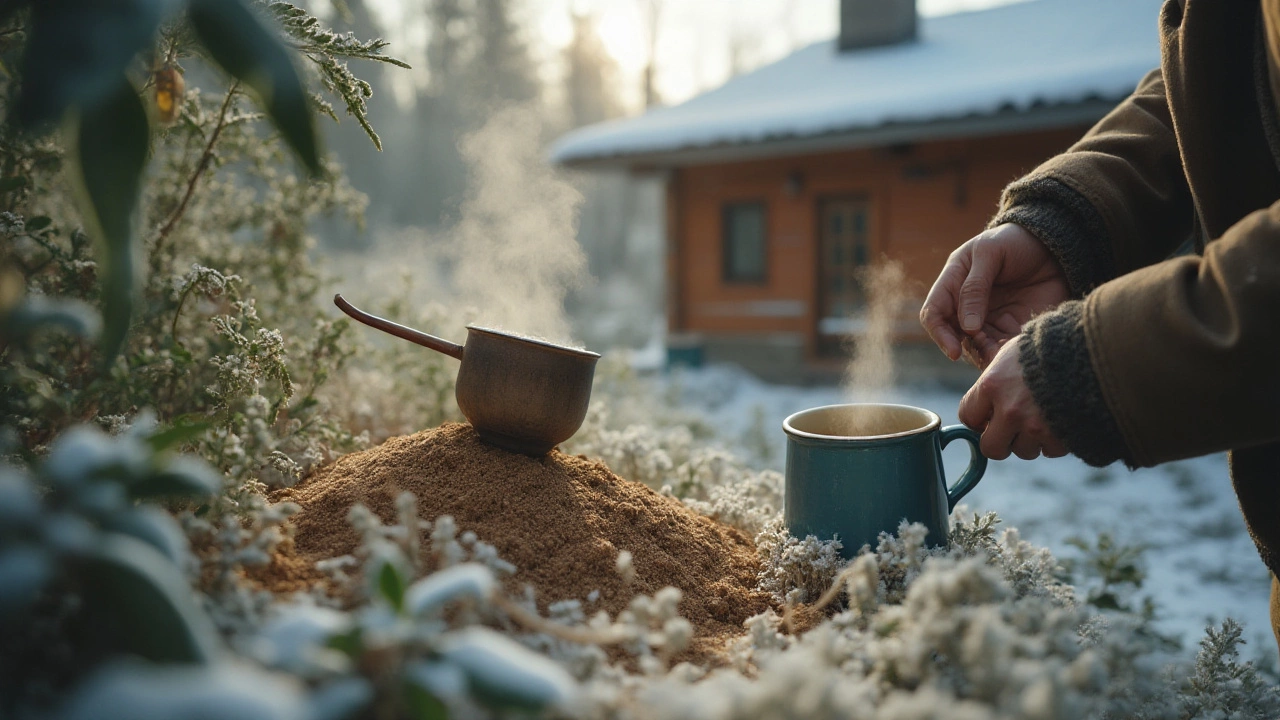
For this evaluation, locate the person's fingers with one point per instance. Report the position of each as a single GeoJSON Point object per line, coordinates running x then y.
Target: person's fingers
{"type": "Point", "coordinates": [1053, 447]}
{"type": "Point", "coordinates": [976, 407]}
{"type": "Point", "coordinates": [979, 350]}
{"type": "Point", "coordinates": [998, 438]}
{"type": "Point", "coordinates": [941, 333]}
{"type": "Point", "coordinates": [971, 354]}
{"type": "Point", "coordinates": [1035, 427]}
{"type": "Point", "coordinates": [938, 314]}
{"type": "Point", "coordinates": [975, 291]}
{"type": "Point", "coordinates": [986, 347]}
{"type": "Point", "coordinates": [1026, 446]}
{"type": "Point", "coordinates": [1007, 324]}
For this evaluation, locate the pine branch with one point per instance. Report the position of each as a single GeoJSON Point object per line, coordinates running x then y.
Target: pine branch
{"type": "Point", "coordinates": [325, 48]}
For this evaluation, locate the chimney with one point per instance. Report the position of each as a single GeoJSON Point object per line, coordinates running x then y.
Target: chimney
{"type": "Point", "coordinates": [869, 23]}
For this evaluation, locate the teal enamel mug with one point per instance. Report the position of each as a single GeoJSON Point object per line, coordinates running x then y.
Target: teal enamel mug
{"type": "Point", "coordinates": [854, 471]}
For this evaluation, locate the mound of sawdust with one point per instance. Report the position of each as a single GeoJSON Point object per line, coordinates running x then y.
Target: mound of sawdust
{"type": "Point", "coordinates": [561, 520]}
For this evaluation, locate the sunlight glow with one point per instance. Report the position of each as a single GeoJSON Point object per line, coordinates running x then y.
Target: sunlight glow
{"type": "Point", "coordinates": [624, 36]}
{"type": "Point", "coordinates": [697, 39]}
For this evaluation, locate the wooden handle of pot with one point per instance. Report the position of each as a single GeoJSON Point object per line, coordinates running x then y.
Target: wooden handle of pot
{"type": "Point", "coordinates": [407, 333]}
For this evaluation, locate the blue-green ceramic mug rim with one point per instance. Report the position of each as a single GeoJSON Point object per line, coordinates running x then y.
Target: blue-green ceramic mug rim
{"type": "Point", "coordinates": [929, 419]}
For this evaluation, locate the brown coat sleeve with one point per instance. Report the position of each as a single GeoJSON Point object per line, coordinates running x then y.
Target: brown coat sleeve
{"type": "Point", "coordinates": [1187, 351]}
{"type": "Point", "coordinates": [1175, 360]}
{"type": "Point", "coordinates": [1117, 200]}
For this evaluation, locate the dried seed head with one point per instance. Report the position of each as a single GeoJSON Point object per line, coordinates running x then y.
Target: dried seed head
{"type": "Point", "coordinates": [170, 89]}
{"type": "Point", "coordinates": [625, 567]}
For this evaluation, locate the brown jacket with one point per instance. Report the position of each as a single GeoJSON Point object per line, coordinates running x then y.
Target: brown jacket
{"type": "Point", "coordinates": [1170, 355]}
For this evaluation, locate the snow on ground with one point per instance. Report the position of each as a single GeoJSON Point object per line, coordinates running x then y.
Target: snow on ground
{"type": "Point", "coordinates": [1201, 565]}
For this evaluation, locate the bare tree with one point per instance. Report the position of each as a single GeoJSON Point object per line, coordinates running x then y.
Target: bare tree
{"type": "Point", "coordinates": [591, 73]}
{"type": "Point", "coordinates": [501, 67]}
{"type": "Point", "coordinates": [447, 21]}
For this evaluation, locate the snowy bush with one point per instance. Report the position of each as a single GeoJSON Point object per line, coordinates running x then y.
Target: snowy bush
{"type": "Point", "coordinates": [124, 563]}
{"type": "Point", "coordinates": [676, 454]}
{"type": "Point", "coordinates": [981, 628]}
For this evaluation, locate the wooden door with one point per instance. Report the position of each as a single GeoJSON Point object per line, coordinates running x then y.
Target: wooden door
{"type": "Point", "coordinates": [844, 244]}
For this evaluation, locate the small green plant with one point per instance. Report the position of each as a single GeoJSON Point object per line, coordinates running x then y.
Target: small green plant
{"type": "Point", "coordinates": [1114, 575]}
{"type": "Point", "coordinates": [1223, 686]}
{"type": "Point", "coordinates": [1115, 567]}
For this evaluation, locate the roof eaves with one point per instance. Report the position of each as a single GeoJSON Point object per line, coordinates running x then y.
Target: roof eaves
{"type": "Point", "coordinates": [1037, 117]}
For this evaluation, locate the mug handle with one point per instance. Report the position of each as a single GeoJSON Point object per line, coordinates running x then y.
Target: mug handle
{"type": "Point", "coordinates": [977, 463]}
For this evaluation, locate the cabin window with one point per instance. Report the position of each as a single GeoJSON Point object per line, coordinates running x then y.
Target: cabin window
{"type": "Point", "coordinates": [745, 243]}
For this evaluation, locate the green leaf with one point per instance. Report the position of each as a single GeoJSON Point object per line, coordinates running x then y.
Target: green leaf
{"type": "Point", "coordinates": [38, 312]}
{"type": "Point", "coordinates": [147, 600]}
{"type": "Point", "coordinates": [153, 526]}
{"type": "Point", "coordinates": [112, 142]}
{"type": "Point", "coordinates": [340, 699]}
{"type": "Point", "coordinates": [183, 476]}
{"type": "Point", "coordinates": [349, 643]}
{"type": "Point", "coordinates": [428, 682]}
{"type": "Point", "coordinates": [1105, 601]}
{"type": "Point", "coordinates": [504, 674]}
{"type": "Point", "coordinates": [470, 581]}
{"type": "Point", "coordinates": [184, 429]}
{"type": "Point", "coordinates": [391, 586]}
{"type": "Point", "coordinates": [24, 571]}
{"type": "Point", "coordinates": [125, 689]}
{"type": "Point", "coordinates": [9, 184]}
{"type": "Point", "coordinates": [239, 42]}
{"type": "Point", "coordinates": [78, 50]}
{"type": "Point", "coordinates": [422, 705]}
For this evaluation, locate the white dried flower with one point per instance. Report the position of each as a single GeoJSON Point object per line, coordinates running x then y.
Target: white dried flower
{"type": "Point", "coordinates": [626, 569]}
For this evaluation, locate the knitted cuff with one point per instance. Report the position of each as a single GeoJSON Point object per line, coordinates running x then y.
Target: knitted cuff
{"type": "Point", "coordinates": [1057, 369]}
{"type": "Point", "coordinates": [1066, 223]}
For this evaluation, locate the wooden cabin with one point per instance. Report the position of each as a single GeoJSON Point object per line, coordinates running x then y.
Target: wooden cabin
{"type": "Point", "coordinates": [892, 141]}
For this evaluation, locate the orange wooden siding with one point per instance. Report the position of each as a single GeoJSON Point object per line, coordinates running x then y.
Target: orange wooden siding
{"type": "Point", "coordinates": [926, 199]}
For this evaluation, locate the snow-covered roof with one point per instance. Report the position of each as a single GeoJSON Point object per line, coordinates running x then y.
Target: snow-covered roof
{"type": "Point", "coordinates": [1023, 59]}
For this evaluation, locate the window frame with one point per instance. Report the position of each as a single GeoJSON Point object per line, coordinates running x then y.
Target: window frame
{"type": "Point", "coordinates": [727, 276]}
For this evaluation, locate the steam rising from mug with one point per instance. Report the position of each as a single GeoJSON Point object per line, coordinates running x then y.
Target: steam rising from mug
{"type": "Point", "coordinates": [869, 376]}
{"type": "Point", "coordinates": [514, 250]}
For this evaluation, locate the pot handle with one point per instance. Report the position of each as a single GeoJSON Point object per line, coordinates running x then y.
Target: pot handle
{"type": "Point", "coordinates": [407, 333]}
{"type": "Point", "coordinates": [977, 462]}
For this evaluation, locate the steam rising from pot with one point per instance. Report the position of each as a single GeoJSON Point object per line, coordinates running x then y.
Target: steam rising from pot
{"type": "Point", "coordinates": [514, 251]}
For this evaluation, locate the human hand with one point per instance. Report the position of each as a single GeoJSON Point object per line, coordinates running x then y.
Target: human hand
{"type": "Point", "coordinates": [1002, 408]}
{"type": "Point", "coordinates": [989, 288]}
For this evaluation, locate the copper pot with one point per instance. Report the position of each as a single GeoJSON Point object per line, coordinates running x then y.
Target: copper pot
{"type": "Point", "coordinates": [522, 395]}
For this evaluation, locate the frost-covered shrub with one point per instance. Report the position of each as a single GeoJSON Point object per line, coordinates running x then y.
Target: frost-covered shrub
{"type": "Point", "coordinates": [235, 538]}
{"type": "Point", "coordinates": [932, 633]}
{"type": "Point", "coordinates": [90, 564]}
{"type": "Point", "coordinates": [427, 620]}
{"type": "Point", "coordinates": [797, 569]}
{"type": "Point", "coordinates": [717, 484]}
{"type": "Point", "coordinates": [677, 458]}
{"type": "Point", "coordinates": [1221, 685]}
